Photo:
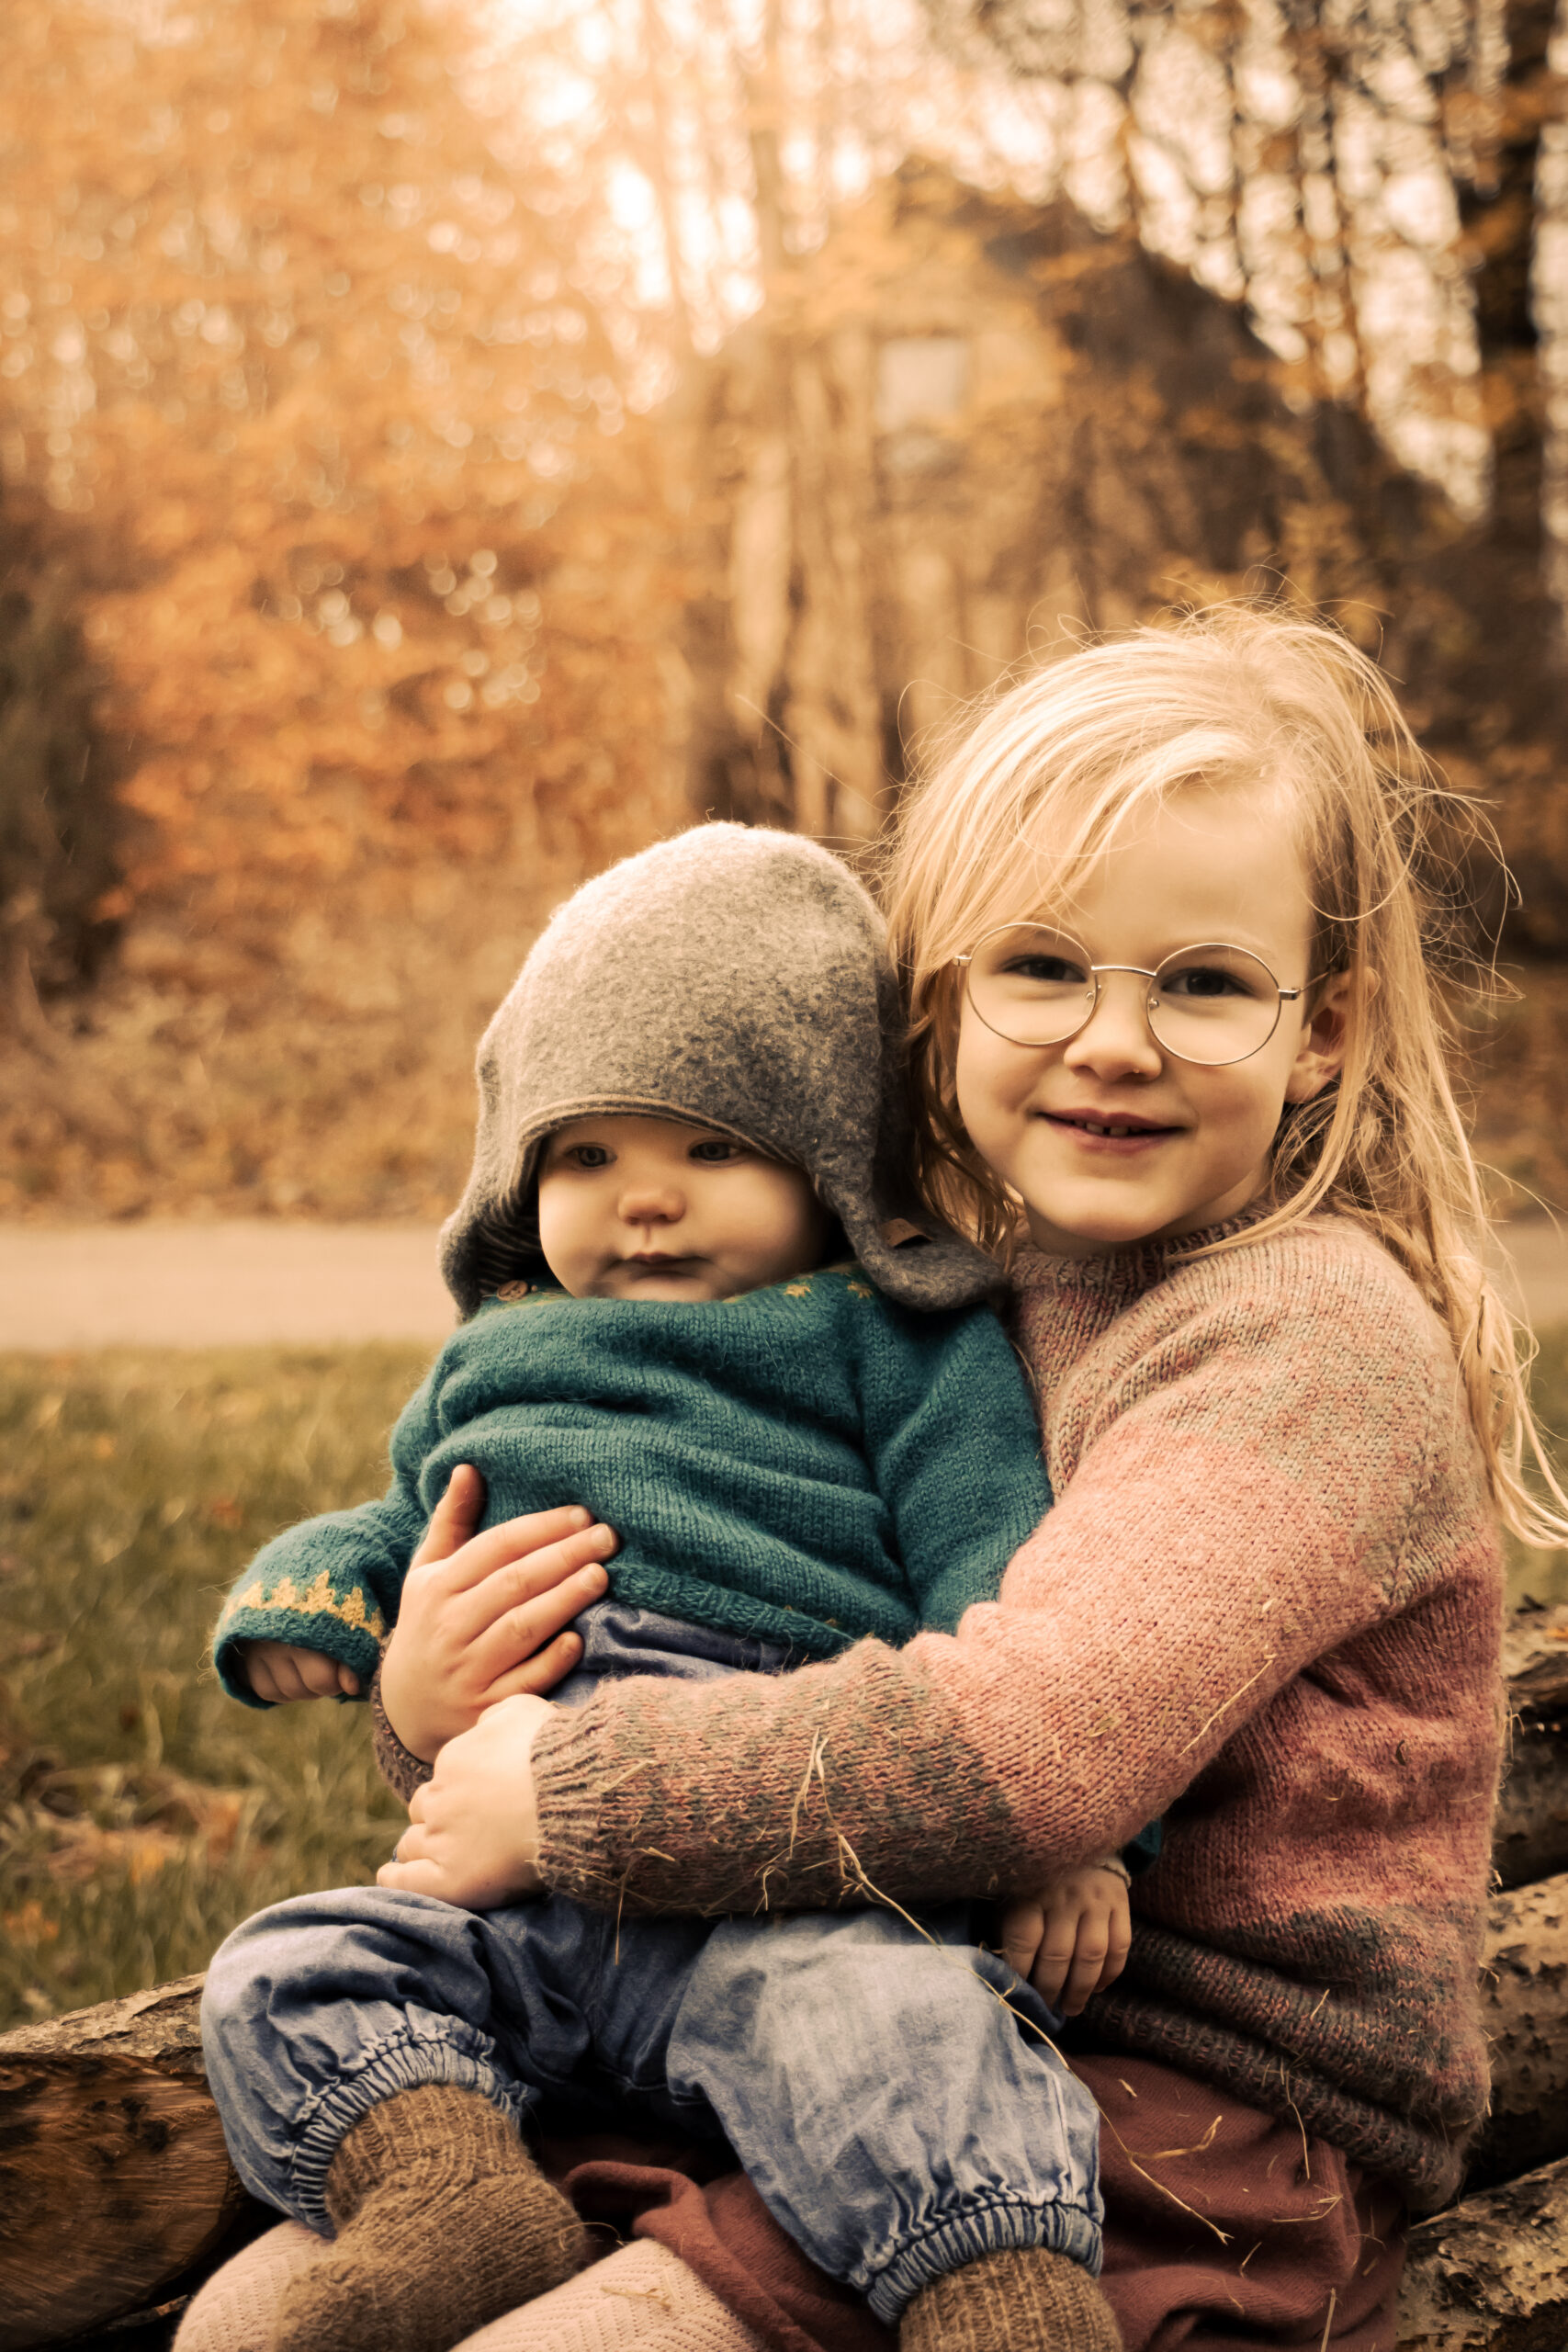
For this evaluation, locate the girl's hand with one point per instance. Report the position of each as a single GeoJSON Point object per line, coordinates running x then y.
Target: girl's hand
{"type": "Point", "coordinates": [473, 1833]}
{"type": "Point", "coordinates": [1074, 1940]}
{"type": "Point", "coordinates": [482, 1617]}
{"type": "Point", "coordinates": [279, 1671]}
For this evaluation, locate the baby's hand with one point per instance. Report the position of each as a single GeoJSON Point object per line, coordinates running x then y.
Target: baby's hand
{"type": "Point", "coordinates": [279, 1671]}
{"type": "Point", "coordinates": [487, 1617]}
{"type": "Point", "coordinates": [473, 1833]}
{"type": "Point", "coordinates": [1074, 1940]}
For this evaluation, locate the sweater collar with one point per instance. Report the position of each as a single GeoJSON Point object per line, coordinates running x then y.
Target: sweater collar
{"type": "Point", "coordinates": [1124, 1273]}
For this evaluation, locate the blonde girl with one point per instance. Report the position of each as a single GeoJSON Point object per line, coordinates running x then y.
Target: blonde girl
{"type": "Point", "coordinates": [1176, 915]}
{"type": "Point", "coordinates": [1170, 916]}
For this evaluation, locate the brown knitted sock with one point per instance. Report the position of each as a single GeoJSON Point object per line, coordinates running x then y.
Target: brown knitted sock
{"type": "Point", "coordinates": [1025, 2299]}
{"type": "Point", "coordinates": [444, 2222]}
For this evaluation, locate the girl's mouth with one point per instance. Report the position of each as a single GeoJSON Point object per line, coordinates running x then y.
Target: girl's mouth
{"type": "Point", "coordinates": [1109, 1130]}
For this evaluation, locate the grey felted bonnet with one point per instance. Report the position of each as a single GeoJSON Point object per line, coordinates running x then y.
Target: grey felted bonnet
{"type": "Point", "coordinates": [735, 976]}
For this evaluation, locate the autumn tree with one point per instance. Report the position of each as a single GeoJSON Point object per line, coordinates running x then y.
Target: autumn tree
{"type": "Point", "coordinates": [61, 824]}
{"type": "Point", "coordinates": [373, 560]}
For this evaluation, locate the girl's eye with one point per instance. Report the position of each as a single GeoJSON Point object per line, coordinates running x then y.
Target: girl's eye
{"type": "Point", "coordinates": [1045, 971]}
{"type": "Point", "coordinates": [588, 1155]}
{"type": "Point", "coordinates": [714, 1152]}
{"type": "Point", "coordinates": [1203, 983]}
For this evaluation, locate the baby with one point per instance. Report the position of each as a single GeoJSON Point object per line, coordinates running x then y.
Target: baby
{"type": "Point", "coordinates": [690, 1309]}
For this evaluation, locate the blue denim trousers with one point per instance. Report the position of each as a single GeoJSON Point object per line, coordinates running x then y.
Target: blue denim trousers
{"type": "Point", "coordinates": [887, 2086]}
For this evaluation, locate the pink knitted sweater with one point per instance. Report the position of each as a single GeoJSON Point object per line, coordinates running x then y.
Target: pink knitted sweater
{"type": "Point", "coordinates": [1266, 1604]}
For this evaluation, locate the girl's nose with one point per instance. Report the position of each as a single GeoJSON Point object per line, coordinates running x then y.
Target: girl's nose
{"type": "Point", "coordinates": [1116, 1040]}
{"type": "Point", "coordinates": [651, 1204]}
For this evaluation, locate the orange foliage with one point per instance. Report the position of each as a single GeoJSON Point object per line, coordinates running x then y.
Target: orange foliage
{"type": "Point", "coordinates": [300, 379]}
{"type": "Point", "coordinates": [301, 352]}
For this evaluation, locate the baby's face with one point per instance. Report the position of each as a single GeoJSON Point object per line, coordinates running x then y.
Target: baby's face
{"type": "Point", "coordinates": [635, 1207]}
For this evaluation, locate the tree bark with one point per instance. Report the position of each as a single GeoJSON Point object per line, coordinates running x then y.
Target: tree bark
{"type": "Point", "coordinates": [1492, 2274]}
{"type": "Point", "coordinates": [114, 2177]}
{"type": "Point", "coordinates": [1531, 1835]}
{"type": "Point", "coordinates": [1524, 1990]}
{"type": "Point", "coordinates": [1530, 1838]}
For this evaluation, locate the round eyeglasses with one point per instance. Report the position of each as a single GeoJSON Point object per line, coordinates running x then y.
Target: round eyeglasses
{"type": "Point", "coordinates": [1211, 1004]}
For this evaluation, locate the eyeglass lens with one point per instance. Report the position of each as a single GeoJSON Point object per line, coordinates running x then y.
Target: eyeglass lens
{"type": "Point", "coordinates": [1036, 987]}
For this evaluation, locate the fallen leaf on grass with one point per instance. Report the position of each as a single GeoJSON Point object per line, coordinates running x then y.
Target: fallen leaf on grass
{"type": "Point", "coordinates": [162, 1817]}
{"type": "Point", "coordinates": [83, 1850]}
{"type": "Point", "coordinates": [30, 1924]}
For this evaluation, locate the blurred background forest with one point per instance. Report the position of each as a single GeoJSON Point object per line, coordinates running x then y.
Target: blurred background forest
{"type": "Point", "coordinates": [443, 446]}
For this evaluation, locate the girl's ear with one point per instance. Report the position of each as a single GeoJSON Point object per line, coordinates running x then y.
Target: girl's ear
{"type": "Point", "coordinates": [1325, 1038]}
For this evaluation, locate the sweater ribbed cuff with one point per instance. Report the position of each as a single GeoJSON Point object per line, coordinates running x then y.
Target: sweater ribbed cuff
{"type": "Point", "coordinates": [403, 1771]}
{"type": "Point", "coordinates": [572, 1779]}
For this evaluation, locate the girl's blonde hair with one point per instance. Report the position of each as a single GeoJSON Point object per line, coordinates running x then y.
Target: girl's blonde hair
{"type": "Point", "coordinates": [1021, 797]}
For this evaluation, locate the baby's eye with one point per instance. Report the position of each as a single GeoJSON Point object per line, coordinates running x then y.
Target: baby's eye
{"type": "Point", "coordinates": [588, 1155]}
{"type": "Point", "coordinates": [715, 1150]}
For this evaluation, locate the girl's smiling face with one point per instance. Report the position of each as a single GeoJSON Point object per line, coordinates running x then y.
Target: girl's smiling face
{"type": "Point", "coordinates": [1189, 1143]}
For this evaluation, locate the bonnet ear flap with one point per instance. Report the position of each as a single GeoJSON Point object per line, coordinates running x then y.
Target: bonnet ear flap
{"type": "Point", "coordinates": [492, 1239]}
{"type": "Point", "coordinates": [925, 1267]}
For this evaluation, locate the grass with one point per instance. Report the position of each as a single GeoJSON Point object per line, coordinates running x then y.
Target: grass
{"type": "Point", "coordinates": [142, 1814]}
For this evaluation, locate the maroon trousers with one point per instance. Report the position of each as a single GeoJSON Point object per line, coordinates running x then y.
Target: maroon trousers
{"type": "Point", "coordinates": [1225, 2230]}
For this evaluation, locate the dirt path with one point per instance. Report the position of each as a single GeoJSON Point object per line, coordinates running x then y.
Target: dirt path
{"type": "Point", "coordinates": [248, 1284]}
{"type": "Point", "coordinates": [215, 1285]}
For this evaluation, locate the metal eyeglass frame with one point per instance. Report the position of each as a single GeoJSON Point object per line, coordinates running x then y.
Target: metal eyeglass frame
{"type": "Point", "coordinates": [1285, 996]}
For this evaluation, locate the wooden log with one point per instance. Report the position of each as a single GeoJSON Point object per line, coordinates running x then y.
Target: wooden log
{"type": "Point", "coordinates": [114, 2177]}
{"type": "Point", "coordinates": [1492, 2275]}
{"type": "Point", "coordinates": [1535, 1655]}
{"type": "Point", "coordinates": [1531, 1835]}
{"type": "Point", "coordinates": [1541, 1682]}
{"type": "Point", "coordinates": [1524, 1994]}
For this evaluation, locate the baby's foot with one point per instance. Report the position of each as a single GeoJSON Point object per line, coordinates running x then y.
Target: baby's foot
{"type": "Point", "coordinates": [1025, 2298]}
{"type": "Point", "coordinates": [444, 2222]}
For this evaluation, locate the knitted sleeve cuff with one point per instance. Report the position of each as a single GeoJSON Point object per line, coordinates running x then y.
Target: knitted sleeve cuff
{"type": "Point", "coordinates": [347, 1627]}
{"type": "Point", "coordinates": [403, 1771]}
{"type": "Point", "coordinates": [760, 1792]}
{"type": "Point", "coordinates": [570, 1783]}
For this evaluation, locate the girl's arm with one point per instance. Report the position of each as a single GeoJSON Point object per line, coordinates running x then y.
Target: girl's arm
{"type": "Point", "coordinates": [1239, 1498]}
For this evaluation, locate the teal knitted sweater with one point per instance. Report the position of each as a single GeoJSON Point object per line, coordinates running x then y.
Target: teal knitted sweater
{"type": "Point", "coordinates": [807, 1463]}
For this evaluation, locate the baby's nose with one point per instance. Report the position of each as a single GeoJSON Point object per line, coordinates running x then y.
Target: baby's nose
{"type": "Point", "coordinates": [651, 1204]}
